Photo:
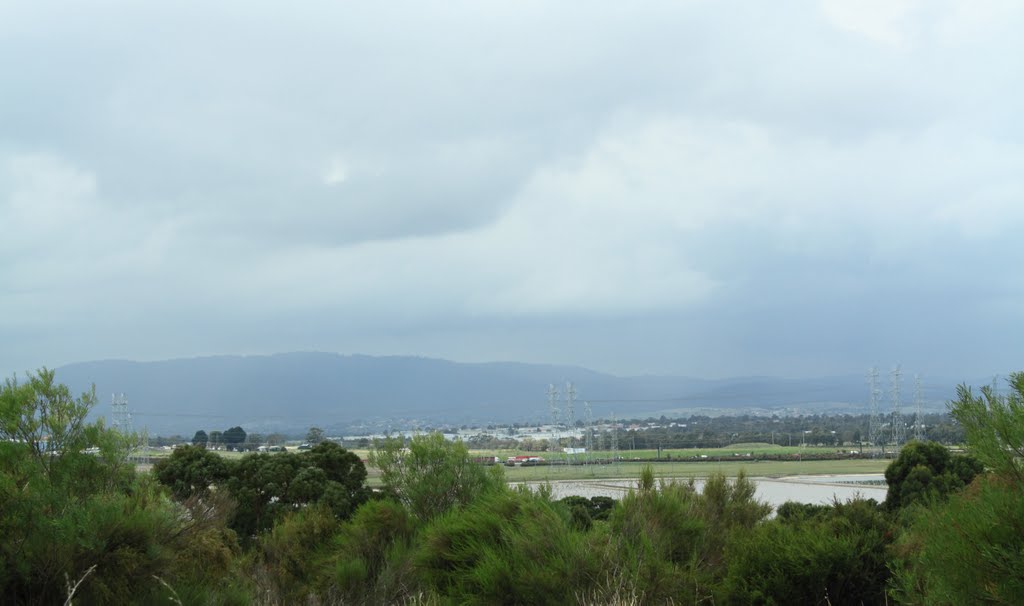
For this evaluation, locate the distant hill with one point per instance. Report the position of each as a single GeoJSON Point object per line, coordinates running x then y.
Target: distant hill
{"type": "Point", "coordinates": [290, 392]}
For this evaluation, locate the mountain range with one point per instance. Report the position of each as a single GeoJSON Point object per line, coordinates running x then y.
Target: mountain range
{"type": "Point", "coordinates": [292, 391]}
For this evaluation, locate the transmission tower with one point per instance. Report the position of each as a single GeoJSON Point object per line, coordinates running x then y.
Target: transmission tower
{"type": "Point", "coordinates": [918, 409]}
{"type": "Point", "coordinates": [588, 441]}
{"type": "Point", "coordinates": [874, 418]}
{"type": "Point", "coordinates": [553, 397]}
{"type": "Point", "coordinates": [120, 416]}
{"type": "Point", "coordinates": [121, 420]}
{"type": "Point", "coordinates": [570, 416]}
{"type": "Point", "coordinates": [899, 428]}
{"type": "Point", "coordinates": [615, 439]}
{"type": "Point", "coordinates": [141, 453]}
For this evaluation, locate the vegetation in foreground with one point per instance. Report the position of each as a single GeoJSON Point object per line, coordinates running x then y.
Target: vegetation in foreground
{"type": "Point", "coordinates": [81, 525]}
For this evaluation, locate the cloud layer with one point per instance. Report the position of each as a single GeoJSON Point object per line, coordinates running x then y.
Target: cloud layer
{"type": "Point", "coordinates": [659, 187]}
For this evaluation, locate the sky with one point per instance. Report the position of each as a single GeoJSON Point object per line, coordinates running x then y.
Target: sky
{"type": "Point", "coordinates": [697, 188]}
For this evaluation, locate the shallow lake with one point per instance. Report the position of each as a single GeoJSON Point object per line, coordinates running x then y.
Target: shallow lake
{"type": "Point", "coordinates": [774, 491]}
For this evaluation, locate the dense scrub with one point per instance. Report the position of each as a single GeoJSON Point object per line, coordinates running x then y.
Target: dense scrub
{"type": "Point", "coordinates": [78, 522]}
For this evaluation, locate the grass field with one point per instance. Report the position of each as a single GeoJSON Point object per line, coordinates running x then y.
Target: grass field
{"type": "Point", "coordinates": [679, 467]}
{"type": "Point", "coordinates": [629, 469]}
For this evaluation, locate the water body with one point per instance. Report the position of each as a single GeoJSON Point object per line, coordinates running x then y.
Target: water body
{"type": "Point", "coordinates": [820, 490]}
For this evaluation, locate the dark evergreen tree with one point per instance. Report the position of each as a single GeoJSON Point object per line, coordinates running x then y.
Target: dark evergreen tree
{"type": "Point", "coordinates": [234, 437]}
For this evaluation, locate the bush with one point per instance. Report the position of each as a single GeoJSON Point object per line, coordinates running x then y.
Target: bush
{"type": "Point", "coordinates": [293, 551]}
{"type": "Point", "coordinates": [371, 555]}
{"type": "Point", "coordinates": [668, 541]}
{"type": "Point", "coordinates": [190, 470]}
{"type": "Point", "coordinates": [925, 472]}
{"type": "Point", "coordinates": [834, 557]}
{"type": "Point", "coordinates": [433, 475]}
{"type": "Point", "coordinates": [506, 548]}
{"type": "Point", "coordinates": [969, 550]}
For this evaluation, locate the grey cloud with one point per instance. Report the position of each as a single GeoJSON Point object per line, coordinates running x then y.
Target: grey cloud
{"type": "Point", "coordinates": [645, 187]}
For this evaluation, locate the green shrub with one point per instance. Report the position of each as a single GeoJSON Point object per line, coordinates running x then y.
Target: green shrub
{"type": "Point", "coordinates": [834, 557]}
{"type": "Point", "coordinates": [969, 550]}
{"type": "Point", "coordinates": [925, 472]}
{"type": "Point", "coordinates": [293, 551]}
{"type": "Point", "coordinates": [370, 555]}
{"type": "Point", "coordinates": [506, 548]}
{"type": "Point", "coordinates": [433, 475]}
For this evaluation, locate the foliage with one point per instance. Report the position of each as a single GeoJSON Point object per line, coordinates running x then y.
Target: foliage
{"type": "Point", "coordinates": [837, 556]}
{"type": "Point", "coordinates": [586, 511]}
{"type": "Point", "coordinates": [292, 551]}
{"type": "Point", "coordinates": [190, 470]}
{"type": "Point", "coordinates": [74, 513]}
{"type": "Point", "coordinates": [216, 438]}
{"type": "Point", "coordinates": [827, 430]}
{"type": "Point", "coordinates": [373, 555]}
{"type": "Point", "coordinates": [668, 541]}
{"type": "Point", "coordinates": [433, 475]}
{"type": "Point", "coordinates": [233, 437]}
{"type": "Point", "coordinates": [727, 506]}
{"type": "Point", "coordinates": [69, 503]}
{"type": "Point", "coordinates": [40, 423]}
{"type": "Point", "coordinates": [794, 512]}
{"type": "Point", "coordinates": [200, 438]}
{"type": "Point", "coordinates": [505, 548]}
{"type": "Point", "coordinates": [924, 472]}
{"type": "Point", "coordinates": [266, 486]}
{"type": "Point", "coordinates": [969, 550]}
{"type": "Point", "coordinates": [315, 435]}
{"type": "Point", "coordinates": [205, 568]}
{"type": "Point", "coordinates": [994, 425]}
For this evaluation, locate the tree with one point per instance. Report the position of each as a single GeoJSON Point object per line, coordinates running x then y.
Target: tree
{"type": "Point", "coordinates": [71, 507]}
{"type": "Point", "coordinates": [969, 549]}
{"type": "Point", "coordinates": [670, 538]}
{"type": "Point", "coordinates": [266, 486]}
{"type": "Point", "coordinates": [216, 439]}
{"type": "Point", "coordinates": [234, 437]}
{"type": "Point", "coordinates": [190, 471]}
{"type": "Point", "coordinates": [924, 472]}
{"type": "Point", "coordinates": [994, 426]}
{"type": "Point", "coordinates": [254, 440]}
{"type": "Point", "coordinates": [821, 555]}
{"type": "Point", "coordinates": [200, 439]}
{"type": "Point", "coordinates": [433, 475]}
{"type": "Point", "coordinates": [44, 418]}
{"type": "Point", "coordinates": [372, 555]}
{"type": "Point", "coordinates": [315, 435]}
{"type": "Point", "coordinates": [507, 548]}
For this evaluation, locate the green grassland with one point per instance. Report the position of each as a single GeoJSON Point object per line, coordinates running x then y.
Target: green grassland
{"type": "Point", "coordinates": [686, 469]}
{"type": "Point", "coordinates": [674, 463]}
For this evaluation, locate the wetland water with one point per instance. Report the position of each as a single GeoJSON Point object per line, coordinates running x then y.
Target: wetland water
{"type": "Point", "coordinates": [774, 491]}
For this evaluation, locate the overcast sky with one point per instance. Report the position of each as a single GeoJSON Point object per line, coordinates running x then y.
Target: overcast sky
{"type": "Point", "coordinates": [698, 188]}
